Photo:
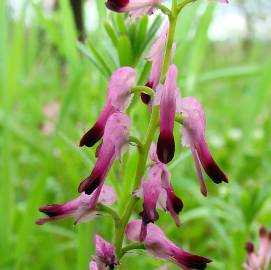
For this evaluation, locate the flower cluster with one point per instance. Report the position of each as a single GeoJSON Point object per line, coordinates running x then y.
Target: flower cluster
{"type": "Point", "coordinates": [112, 131]}
{"type": "Point", "coordinates": [260, 260]}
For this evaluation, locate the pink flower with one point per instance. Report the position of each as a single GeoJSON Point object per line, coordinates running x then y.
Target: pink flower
{"type": "Point", "coordinates": [158, 191]}
{"type": "Point", "coordinates": [260, 260]}
{"type": "Point", "coordinates": [157, 245]}
{"type": "Point", "coordinates": [118, 99]}
{"type": "Point", "coordinates": [166, 144]}
{"type": "Point", "coordinates": [193, 134]}
{"type": "Point", "coordinates": [115, 140]}
{"type": "Point", "coordinates": [135, 8]}
{"type": "Point", "coordinates": [105, 257]}
{"type": "Point", "coordinates": [82, 208]}
{"type": "Point", "coordinates": [156, 57]}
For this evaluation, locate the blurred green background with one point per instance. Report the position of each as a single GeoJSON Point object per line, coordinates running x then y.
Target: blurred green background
{"type": "Point", "coordinates": [53, 88]}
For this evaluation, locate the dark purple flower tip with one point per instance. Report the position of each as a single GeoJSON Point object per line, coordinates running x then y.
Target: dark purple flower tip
{"type": "Point", "coordinates": [249, 247]}
{"type": "Point", "coordinates": [52, 210]}
{"type": "Point", "coordinates": [143, 232]}
{"type": "Point", "coordinates": [165, 147]}
{"type": "Point", "coordinates": [176, 202]}
{"type": "Point", "coordinates": [196, 262]}
{"type": "Point", "coordinates": [145, 98]}
{"type": "Point", "coordinates": [116, 5]}
{"type": "Point", "coordinates": [149, 215]}
{"type": "Point", "coordinates": [214, 172]}
{"type": "Point", "coordinates": [90, 184]}
{"type": "Point", "coordinates": [92, 136]}
{"type": "Point", "coordinates": [210, 166]}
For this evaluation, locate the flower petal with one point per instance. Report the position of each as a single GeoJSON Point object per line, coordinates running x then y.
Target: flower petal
{"type": "Point", "coordinates": [119, 87]}
{"type": "Point", "coordinates": [166, 144]}
{"type": "Point", "coordinates": [94, 134]}
{"type": "Point", "coordinates": [157, 245]}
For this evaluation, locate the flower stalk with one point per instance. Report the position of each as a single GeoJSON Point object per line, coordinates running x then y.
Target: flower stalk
{"type": "Point", "coordinates": [143, 154]}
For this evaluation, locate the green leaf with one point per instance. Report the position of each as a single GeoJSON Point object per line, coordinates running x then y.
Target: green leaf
{"type": "Point", "coordinates": [125, 51]}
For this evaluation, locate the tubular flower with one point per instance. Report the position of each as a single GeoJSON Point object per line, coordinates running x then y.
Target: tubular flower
{"type": "Point", "coordinates": [135, 8]}
{"type": "Point", "coordinates": [82, 208]}
{"type": "Point", "coordinates": [116, 138]}
{"type": "Point", "coordinates": [157, 245]}
{"type": "Point", "coordinates": [118, 99]}
{"type": "Point", "coordinates": [105, 257]}
{"type": "Point", "coordinates": [156, 57]}
{"type": "Point", "coordinates": [193, 134]}
{"type": "Point", "coordinates": [260, 260]}
{"type": "Point", "coordinates": [166, 144]}
{"type": "Point", "coordinates": [158, 191]}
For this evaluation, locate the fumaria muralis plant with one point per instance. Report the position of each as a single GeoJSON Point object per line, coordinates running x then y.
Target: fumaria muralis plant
{"type": "Point", "coordinates": [112, 128]}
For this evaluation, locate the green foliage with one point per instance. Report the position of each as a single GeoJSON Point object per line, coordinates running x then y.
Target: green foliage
{"type": "Point", "coordinates": [42, 62]}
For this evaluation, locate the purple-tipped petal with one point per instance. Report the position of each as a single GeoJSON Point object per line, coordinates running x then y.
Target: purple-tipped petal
{"type": "Point", "coordinates": [209, 165]}
{"type": "Point", "coordinates": [82, 208]}
{"type": "Point", "coordinates": [165, 147]}
{"type": "Point", "coordinates": [116, 138]}
{"type": "Point", "coordinates": [189, 261]}
{"type": "Point", "coordinates": [105, 254]}
{"type": "Point", "coordinates": [135, 8]}
{"type": "Point", "coordinates": [174, 205]}
{"type": "Point", "coordinates": [118, 99]}
{"type": "Point", "coordinates": [58, 211]}
{"type": "Point", "coordinates": [156, 57]}
{"type": "Point", "coordinates": [166, 144]}
{"type": "Point", "coordinates": [193, 132]}
{"type": "Point", "coordinates": [203, 187]}
{"type": "Point", "coordinates": [151, 191]}
{"type": "Point", "coordinates": [99, 172]}
{"type": "Point", "coordinates": [117, 5]}
{"type": "Point", "coordinates": [157, 245]}
{"type": "Point", "coordinates": [94, 134]}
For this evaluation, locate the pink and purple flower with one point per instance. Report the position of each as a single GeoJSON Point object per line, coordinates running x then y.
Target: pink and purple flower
{"type": "Point", "coordinates": [193, 136]}
{"type": "Point", "coordinates": [118, 99]}
{"type": "Point", "coordinates": [82, 208]}
{"type": "Point", "coordinates": [105, 258]}
{"type": "Point", "coordinates": [159, 246]}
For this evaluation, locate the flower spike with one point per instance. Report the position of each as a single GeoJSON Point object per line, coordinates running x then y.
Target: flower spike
{"type": "Point", "coordinates": [116, 139]}
{"type": "Point", "coordinates": [118, 99]}
{"type": "Point", "coordinates": [193, 131]}
{"type": "Point", "coordinates": [157, 245]}
{"type": "Point", "coordinates": [166, 144]}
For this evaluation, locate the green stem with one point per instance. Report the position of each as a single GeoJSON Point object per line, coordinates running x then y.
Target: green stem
{"type": "Point", "coordinates": [144, 89]}
{"type": "Point", "coordinates": [142, 159]}
{"type": "Point", "coordinates": [110, 211]}
{"type": "Point", "coordinates": [136, 141]}
{"type": "Point", "coordinates": [131, 247]}
{"type": "Point", "coordinates": [183, 4]}
{"type": "Point", "coordinates": [164, 9]}
{"type": "Point", "coordinates": [171, 33]}
{"type": "Point", "coordinates": [179, 119]}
